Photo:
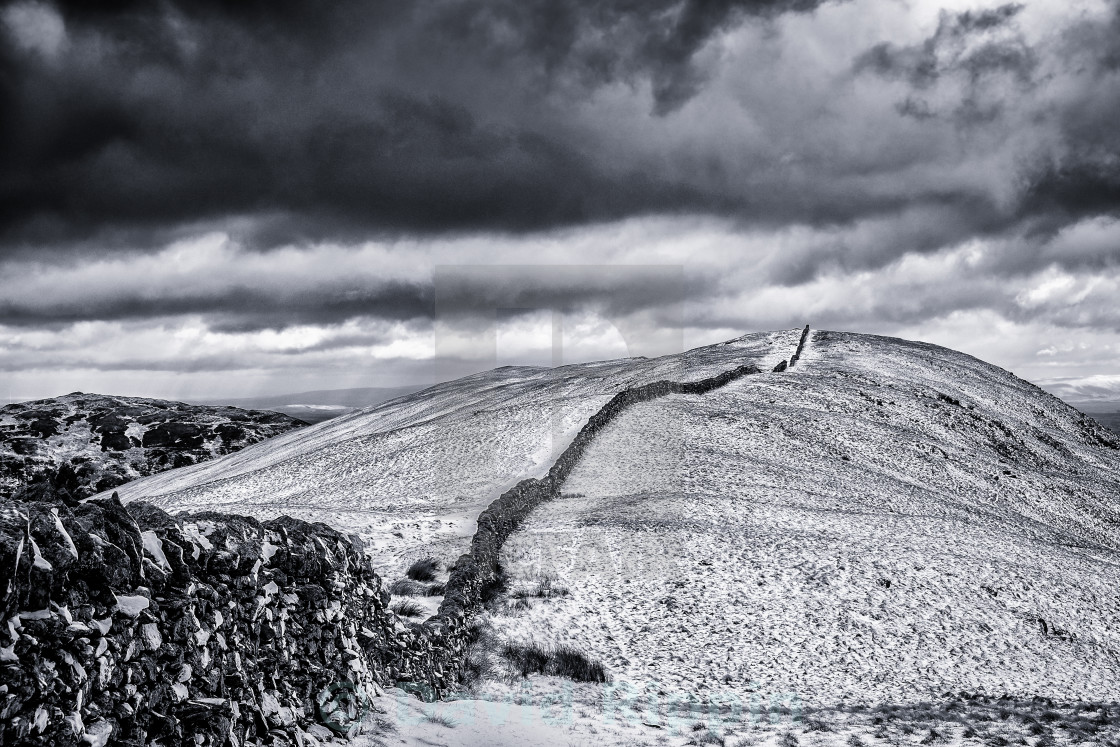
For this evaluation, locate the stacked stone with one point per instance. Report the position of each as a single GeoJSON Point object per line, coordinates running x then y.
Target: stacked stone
{"type": "Point", "coordinates": [800, 347]}
{"type": "Point", "coordinates": [129, 626]}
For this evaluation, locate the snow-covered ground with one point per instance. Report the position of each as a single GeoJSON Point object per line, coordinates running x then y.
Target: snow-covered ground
{"type": "Point", "coordinates": [886, 522]}
{"type": "Point", "coordinates": [560, 714]}
{"type": "Point", "coordinates": [852, 540]}
{"type": "Point", "coordinates": [411, 475]}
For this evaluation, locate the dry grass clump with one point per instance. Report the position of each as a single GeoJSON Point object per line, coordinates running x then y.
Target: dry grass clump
{"type": "Point", "coordinates": [438, 718]}
{"type": "Point", "coordinates": [407, 608]}
{"type": "Point", "coordinates": [424, 569]}
{"type": "Point", "coordinates": [407, 588]}
{"type": "Point", "coordinates": [562, 661]}
{"type": "Point", "coordinates": [544, 588]}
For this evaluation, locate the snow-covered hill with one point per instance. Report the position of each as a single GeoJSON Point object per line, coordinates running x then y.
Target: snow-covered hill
{"type": "Point", "coordinates": [109, 440]}
{"type": "Point", "coordinates": [887, 522]}
{"type": "Point", "coordinates": [880, 525]}
{"type": "Point", "coordinates": [411, 475]}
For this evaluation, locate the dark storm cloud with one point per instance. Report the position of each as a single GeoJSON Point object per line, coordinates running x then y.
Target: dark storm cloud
{"type": "Point", "coordinates": [1079, 179]}
{"type": "Point", "coordinates": [230, 308]}
{"type": "Point", "coordinates": [602, 42]}
{"type": "Point", "coordinates": [948, 53]}
{"type": "Point", "coordinates": [332, 120]}
{"type": "Point", "coordinates": [1085, 181]}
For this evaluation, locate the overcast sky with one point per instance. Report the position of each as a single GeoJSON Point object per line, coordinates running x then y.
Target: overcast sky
{"type": "Point", "coordinates": [207, 198]}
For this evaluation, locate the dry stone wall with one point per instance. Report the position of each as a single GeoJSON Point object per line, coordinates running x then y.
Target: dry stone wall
{"type": "Point", "coordinates": [129, 626]}
{"type": "Point", "coordinates": [479, 568]}
{"type": "Point", "coordinates": [800, 347]}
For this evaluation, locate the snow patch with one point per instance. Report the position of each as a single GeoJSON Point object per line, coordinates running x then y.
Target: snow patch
{"type": "Point", "coordinates": [131, 606]}
{"type": "Point", "coordinates": [154, 547]}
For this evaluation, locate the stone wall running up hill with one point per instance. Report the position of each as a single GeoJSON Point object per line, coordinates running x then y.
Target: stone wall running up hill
{"type": "Point", "coordinates": [434, 660]}
{"type": "Point", "coordinates": [800, 347]}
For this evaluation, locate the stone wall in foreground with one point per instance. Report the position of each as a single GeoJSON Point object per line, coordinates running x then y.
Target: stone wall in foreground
{"type": "Point", "coordinates": [129, 626]}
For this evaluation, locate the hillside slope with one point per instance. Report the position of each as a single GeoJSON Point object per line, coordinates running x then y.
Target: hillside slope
{"type": "Point", "coordinates": [412, 475]}
{"type": "Point", "coordinates": [110, 440]}
{"type": "Point", "coordinates": [884, 523]}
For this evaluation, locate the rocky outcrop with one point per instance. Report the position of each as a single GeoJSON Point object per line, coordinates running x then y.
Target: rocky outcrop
{"type": "Point", "coordinates": [129, 626]}
{"type": "Point", "coordinates": [108, 441]}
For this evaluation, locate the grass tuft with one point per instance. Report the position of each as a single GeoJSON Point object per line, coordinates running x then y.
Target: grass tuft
{"type": "Point", "coordinates": [424, 569]}
{"type": "Point", "coordinates": [564, 661]}
{"type": "Point", "coordinates": [407, 608]}
{"type": "Point", "coordinates": [407, 588]}
{"type": "Point", "coordinates": [573, 664]}
{"type": "Point", "coordinates": [527, 659]}
{"type": "Point", "coordinates": [545, 588]}
{"type": "Point", "coordinates": [438, 718]}
{"type": "Point", "coordinates": [705, 737]}
{"type": "Point", "coordinates": [815, 724]}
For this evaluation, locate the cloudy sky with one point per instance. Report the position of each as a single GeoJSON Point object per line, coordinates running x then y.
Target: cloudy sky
{"type": "Point", "coordinates": [208, 198]}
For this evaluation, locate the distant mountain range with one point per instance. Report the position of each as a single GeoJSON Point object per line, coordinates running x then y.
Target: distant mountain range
{"type": "Point", "coordinates": [319, 405]}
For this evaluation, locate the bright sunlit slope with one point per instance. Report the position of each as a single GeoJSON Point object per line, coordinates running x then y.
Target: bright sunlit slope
{"type": "Point", "coordinates": [411, 475]}
{"type": "Point", "coordinates": [884, 523]}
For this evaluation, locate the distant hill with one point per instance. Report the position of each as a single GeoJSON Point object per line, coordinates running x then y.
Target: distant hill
{"type": "Point", "coordinates": [105, 441]}
{"type": "Point", "coordinates": [319, 405]}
